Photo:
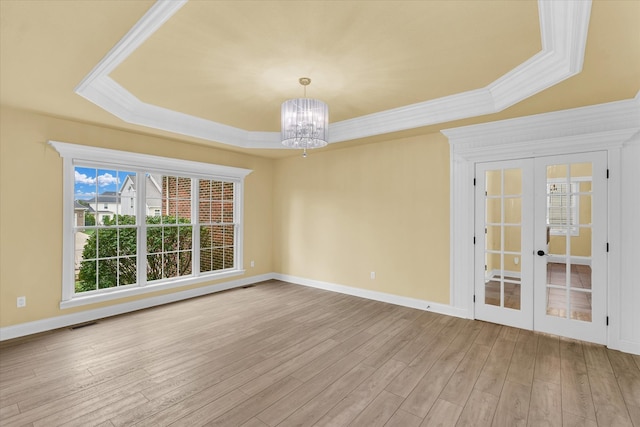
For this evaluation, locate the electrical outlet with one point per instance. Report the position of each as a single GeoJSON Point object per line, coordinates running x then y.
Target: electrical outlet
{"type": "Point", "coordinates": [253, 264]}
{"type": "Point", "coordinates": [373, 275]}
{"type": "Point", "coordinates": [21, 302]}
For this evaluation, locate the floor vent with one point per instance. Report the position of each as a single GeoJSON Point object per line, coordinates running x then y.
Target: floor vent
{"type": "Point", "coordinates": [83, 325]}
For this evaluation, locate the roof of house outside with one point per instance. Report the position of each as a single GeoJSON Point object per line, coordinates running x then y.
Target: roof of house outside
{"type": "Point", "coordinates": [106, 197]}
{"type": "Point", "coordinates": [78, 205]}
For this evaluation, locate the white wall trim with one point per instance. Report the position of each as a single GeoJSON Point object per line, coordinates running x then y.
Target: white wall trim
{"type": "Point", "coordinates": [142, 161]}
{"type": "Point", "coordinates": [496, 273]}
{"type": "Point", "coordinates": [575, 260]}
{"type": "Point", "coordinates": [43, 325]}
{"type": "Point", "coordinates": [28, 328]}
{"type": "Point", "coordinates": [563, 31]}
{"type": "Point", "coordinates": [626, 346]}
{"type": "Point", "coordinates": [375, 295]}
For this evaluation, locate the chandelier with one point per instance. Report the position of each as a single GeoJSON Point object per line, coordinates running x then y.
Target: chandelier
{"type": "Point", "coordinates": [305, 121]}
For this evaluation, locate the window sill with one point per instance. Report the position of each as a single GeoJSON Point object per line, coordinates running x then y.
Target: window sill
{"type": "Point", "coordinates": [81, 300]}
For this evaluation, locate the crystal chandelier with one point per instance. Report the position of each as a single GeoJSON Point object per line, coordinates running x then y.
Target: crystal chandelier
{"type": "Point", "coordinates": [305, 121]}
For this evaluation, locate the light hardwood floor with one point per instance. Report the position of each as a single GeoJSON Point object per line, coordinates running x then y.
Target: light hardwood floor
{"type": "Point", "coordinates": [278, 354]}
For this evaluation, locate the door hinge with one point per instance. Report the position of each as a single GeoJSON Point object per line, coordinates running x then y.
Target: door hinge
{"type": "Point", "coordinates": [607, 320]}
{"type": "Point", "coordinates": [474, 182]}
{"type": "Point", "coordinates": [607, 246]}
{"type": "Point", "coordinates": [474, 240]}
{"type": "Point", "coordinates": [485, 267]}
{"type": "Point", "coordinates": [607, 173]}
{"type": "Point", "coordinates": [474, 298]}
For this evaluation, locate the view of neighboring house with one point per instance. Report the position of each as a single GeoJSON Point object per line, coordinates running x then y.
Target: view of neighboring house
{"type": "Point", "coordinates": [110, 203]}
{"type": "Point", "coordinates": [153, 195]}
{"type": "Point", "coordinates": [105, 204]}
{"type": "Point", "coordinates": [81, 210]}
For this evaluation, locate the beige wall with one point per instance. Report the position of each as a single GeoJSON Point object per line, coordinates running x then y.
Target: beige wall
{"type": "Point", "coordinates": [383, 207]}
{"type": "Point", "coordinates": [31, 206]}
{"type": "Point", "coordinates": [334, 216]}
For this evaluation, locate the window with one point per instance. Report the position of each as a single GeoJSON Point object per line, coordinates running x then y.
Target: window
{"type": "Point", "coordinates": [183, 226]}
{"type": "Point", "coordinates": [562, 206]}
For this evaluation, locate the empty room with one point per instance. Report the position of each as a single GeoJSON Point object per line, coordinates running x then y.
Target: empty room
{"type": "Point", "coordinates": [319, 213]}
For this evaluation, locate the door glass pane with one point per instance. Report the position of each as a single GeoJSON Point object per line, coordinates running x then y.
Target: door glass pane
{"type": "Point", "coordinates": [556, 171]}
{"type": "Point", "coordinates": [512, 182]}
{"type": "Point", "coordinates": [493, 266]}
{"type": "Point", "coordinates": [581, 170]}
{"type": "Point", "coordinates": [557, 244]}
{"type": "Point", "coordinates": [493, 237]}
{"type": "Point", "coordinates": [512, 237]}
{"type": "Point", "coordinates": [580, 305]}
{"type": "Point", "coordinates": [580, 244]}
{"type": "Point", "coordinates": [584, 204]}
{"type": "Point", "coordinates": [513, 210]}
{"type": "Point", "coordinates": [512, 295]}
{"type": "Point", "coordinates": [492, 292]}
{"type": "Point", "coordinates": [493, 211]}
{"type": "Point", "coordinates": [556, 302]}
{"type": "Point", "coordinates": [493, 182]}
{"type": "Point", "coordinates": [581, 276]}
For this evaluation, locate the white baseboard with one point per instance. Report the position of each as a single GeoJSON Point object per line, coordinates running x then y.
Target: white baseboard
{"type": "Point", "coordinates": [23, 329]}
{"type": "Point", "coordinates": [29, 328]}
{"type": "Point", "coordinates": [377, 296]}
{"type": "Point", "coordinates": [579, 260]}
{"type": "Point", "coordinates": [496, 273]}
{"type": "Point", "coordinates": [627, 347]}
{"type": "Point", "coordinates": [43, 325]}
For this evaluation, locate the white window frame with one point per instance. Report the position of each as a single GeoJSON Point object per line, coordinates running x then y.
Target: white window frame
{"type": "Point", "coordinates": [73, 154]}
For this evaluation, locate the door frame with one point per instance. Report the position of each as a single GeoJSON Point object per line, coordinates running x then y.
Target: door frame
{"type": "Point", "coordinates": [604, 127]}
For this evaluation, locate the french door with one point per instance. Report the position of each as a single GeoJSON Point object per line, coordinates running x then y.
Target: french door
{"type": "Point", "coordinates": [541, 227]}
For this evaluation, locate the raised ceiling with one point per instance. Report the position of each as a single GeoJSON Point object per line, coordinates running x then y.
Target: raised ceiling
{"type": "Point", "coordinates": [234, 63]}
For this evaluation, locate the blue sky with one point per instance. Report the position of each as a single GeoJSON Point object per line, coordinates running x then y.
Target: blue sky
{"type": "Point", "coordinates": [92, 181]}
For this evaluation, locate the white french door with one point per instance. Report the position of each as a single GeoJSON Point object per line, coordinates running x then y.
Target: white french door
{"type": "Point", "coordinates": [504, 221]}
{"type": "Point", "coordinates": [541, 241]}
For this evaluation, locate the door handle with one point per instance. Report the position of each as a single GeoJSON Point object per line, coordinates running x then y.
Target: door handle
{"type": "Point", "coordinates": [541, 253]}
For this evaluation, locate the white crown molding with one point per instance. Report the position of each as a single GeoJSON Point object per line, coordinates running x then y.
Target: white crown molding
{"type": "Point", "coordinates": [155, 17]}
{"type": "Point", "coordinates": [603, 126]}
{"type": "Point", "coordinates": [563, 31]}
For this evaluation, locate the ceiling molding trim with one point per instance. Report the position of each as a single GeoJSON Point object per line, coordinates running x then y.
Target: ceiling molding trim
{"type": "Point", "coordinates": [459, 106]}
{"type": "Point", "coordinates": [598, 126]}
{"type": "Point", "coordinates": [564, 27]}
{"type": "Point", "coordinates": [155, 17]}
{"type": "Point", "coordinates": [563, 30]}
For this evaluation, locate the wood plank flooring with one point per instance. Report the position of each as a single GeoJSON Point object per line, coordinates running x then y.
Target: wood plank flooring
{"type": "Point", "coordinates": [277, 354]}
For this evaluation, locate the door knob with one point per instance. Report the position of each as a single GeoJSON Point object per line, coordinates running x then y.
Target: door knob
{"type": "Point", "coordinates": [541, 253]}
